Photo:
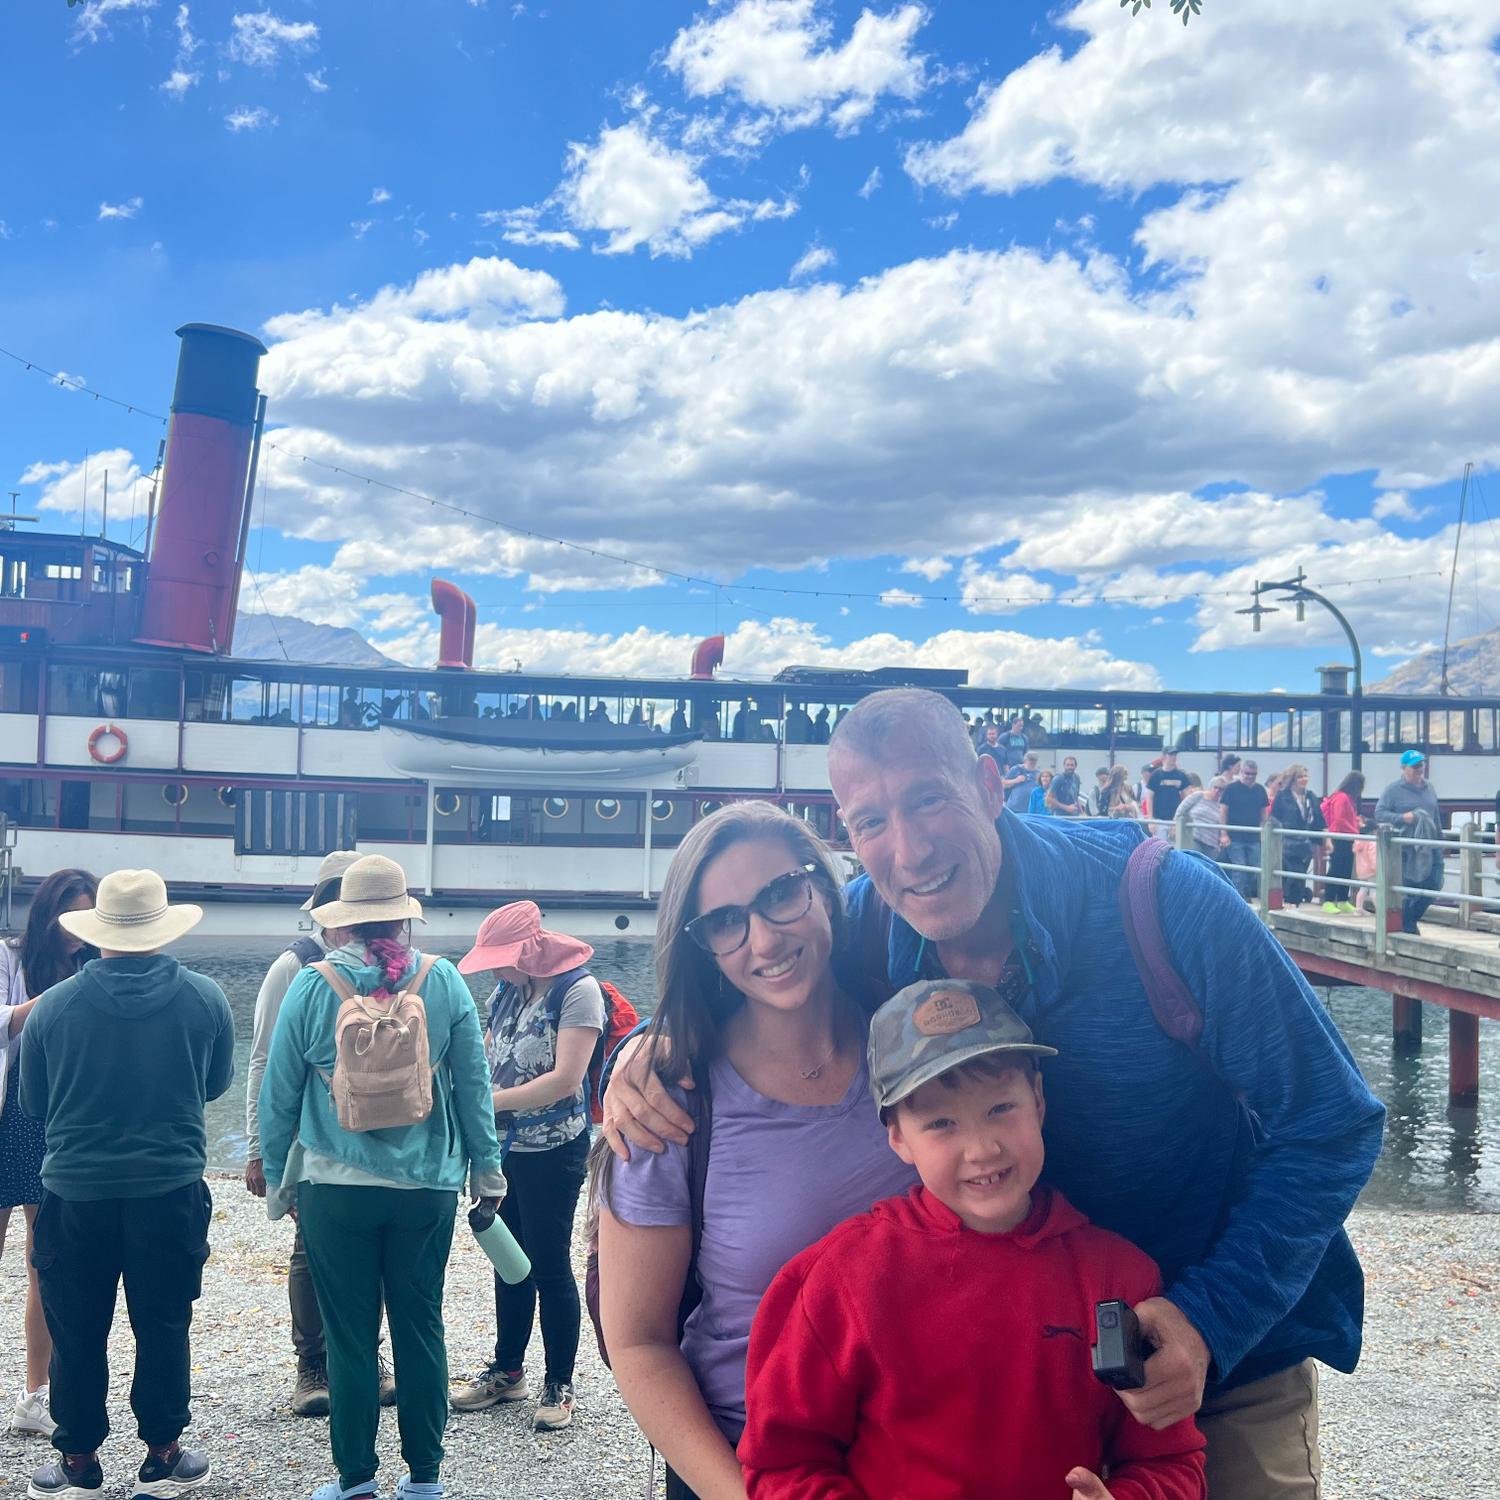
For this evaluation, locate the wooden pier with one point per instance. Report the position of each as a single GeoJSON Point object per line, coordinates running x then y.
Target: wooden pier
{"type": "Point", "coordinates": [1456, 968]}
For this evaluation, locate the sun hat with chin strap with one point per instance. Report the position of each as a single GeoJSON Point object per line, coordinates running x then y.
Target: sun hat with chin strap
{"type": "Point", "coordinates": [373, 890]}
{"type": "Point", "coordinates": [131, 914]}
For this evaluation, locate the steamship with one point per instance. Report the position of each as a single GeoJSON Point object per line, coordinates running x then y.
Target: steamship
{"type": "Point", "coordinates": [131, 735]}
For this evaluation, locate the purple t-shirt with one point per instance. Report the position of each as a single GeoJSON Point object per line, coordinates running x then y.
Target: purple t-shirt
{"type": "Point", "coordinates": [780, 1176]}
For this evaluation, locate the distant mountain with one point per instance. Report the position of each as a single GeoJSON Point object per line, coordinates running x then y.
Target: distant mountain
{"type": "Point", "coordinates": [286, 638]}
{"type": "Point", "coordinates": [1473, 669]}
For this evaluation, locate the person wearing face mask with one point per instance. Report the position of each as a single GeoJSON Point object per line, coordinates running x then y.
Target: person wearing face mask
{"type": "Point", "coordinates": [747, 924]}
{"type": "Point", "coordinates": [545, 1016]}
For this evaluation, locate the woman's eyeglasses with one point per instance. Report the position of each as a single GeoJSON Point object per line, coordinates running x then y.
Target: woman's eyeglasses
{"type": "Point", "coordinates": [781, 901]}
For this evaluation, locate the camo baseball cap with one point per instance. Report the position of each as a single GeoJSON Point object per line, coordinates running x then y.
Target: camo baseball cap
{"type": "Point", "coordinates": [930, 1027]}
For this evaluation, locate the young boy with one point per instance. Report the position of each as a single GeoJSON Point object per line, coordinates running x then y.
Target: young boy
{"type": "Point", "coordinates": [938, 1346]}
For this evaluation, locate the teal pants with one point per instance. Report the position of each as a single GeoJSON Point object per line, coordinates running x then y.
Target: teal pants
{"type": "Point", "coordinates": [362, 1242]}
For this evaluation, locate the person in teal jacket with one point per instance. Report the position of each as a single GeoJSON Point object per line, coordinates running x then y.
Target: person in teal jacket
{"type": "Point", "coordinates": [376, 1207]}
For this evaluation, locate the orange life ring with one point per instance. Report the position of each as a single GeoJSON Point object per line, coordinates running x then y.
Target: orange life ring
{"type": "Point", "coordinates": [102, 732]}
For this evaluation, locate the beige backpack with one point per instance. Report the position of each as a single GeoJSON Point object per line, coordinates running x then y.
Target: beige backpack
{"type": "Point", "coordinates": [382, 1070]}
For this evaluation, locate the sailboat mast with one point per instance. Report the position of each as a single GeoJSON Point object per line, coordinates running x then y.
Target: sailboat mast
{"type": "Point", "coordinates": [1463, 500]}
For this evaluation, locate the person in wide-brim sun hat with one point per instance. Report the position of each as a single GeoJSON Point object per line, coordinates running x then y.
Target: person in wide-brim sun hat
{"type": "Point", "coordinates": [330, 873]}
{"type": "Point", "coordinates": [373, 890]}
{"type": "Point", "coordinates": [131, 914]}
{"type": "Point", "coordinates": [513, 938]}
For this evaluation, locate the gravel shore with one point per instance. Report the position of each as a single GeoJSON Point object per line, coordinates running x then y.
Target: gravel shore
{"type": "Point", "coordinates": [1419, 1421]}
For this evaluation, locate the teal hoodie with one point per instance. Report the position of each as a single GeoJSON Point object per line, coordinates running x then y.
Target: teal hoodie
{"type": "Point", "coordinates": [119, 1061]}
{"type": "Point", "coordinates": [437, 1152]}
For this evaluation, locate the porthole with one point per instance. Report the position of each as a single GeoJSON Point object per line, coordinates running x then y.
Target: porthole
{"type": "Point", "coordinates": [174, 794]}
{"type": "Point", "coordinates": [555, 807]}
{"type": "Point", "coordinates": [661, 809]}
{"type": "Point", "coordinates": [708, 809]}
{"type": "Point", "coordinates": [228, 796]}
{"type": "Point", "coordinates": [607, 808]}
{"type": "Point", "coordinates": [622, 922]}
{"type": "Point", "coordinates": [445, 804]}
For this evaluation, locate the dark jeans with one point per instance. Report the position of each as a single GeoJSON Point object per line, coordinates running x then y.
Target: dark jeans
{"type": "Point", "coordinates": [1295, 855]}
{"type": "Point", "coordinates": [82, 1251]}
{"type": "Point", "coordinates": [1243, 851]}
{"type": "Point", "coordinates": [538, 1208]}
{"type": "Point", "coordinates": [1340, 869]}
{"type": "Point", "coordinates": [1414, 908]}
{"type": "Point", "coordinates": [307, 1321]}
{"type": "Point", "coordinates": [362, 1241]}
{"type": "Point", "coordinates": [677, 1490]}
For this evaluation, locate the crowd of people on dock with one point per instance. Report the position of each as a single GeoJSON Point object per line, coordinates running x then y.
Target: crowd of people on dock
{"type": "Point", "coordinates": [885, 1164]}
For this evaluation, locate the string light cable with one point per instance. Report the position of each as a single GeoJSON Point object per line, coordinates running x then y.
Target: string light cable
{"type": "Point", "coordinates": [1153, 597]}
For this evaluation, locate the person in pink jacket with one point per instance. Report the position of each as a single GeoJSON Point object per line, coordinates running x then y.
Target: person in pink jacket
{"type": "Point", "coordinates": [1341, 814]}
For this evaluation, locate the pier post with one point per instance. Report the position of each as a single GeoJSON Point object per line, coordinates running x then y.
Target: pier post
{"type": "Point", "coordinates": [1470, 871]}
{"type": "Point", "coordinates": [1181, 837]}
{"type": "Point", "coordinates": [1270, 884]}
{"type": "Point", "coordinates": [431, 834]}
{"type": "Point", "coordinates": [1406, 1022]}
{"type": "Point", "coordinates": [1463, 1057]}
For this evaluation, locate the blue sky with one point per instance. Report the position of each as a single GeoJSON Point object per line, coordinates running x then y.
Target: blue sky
{"type": "Point", "coordinates": [1019, 305]}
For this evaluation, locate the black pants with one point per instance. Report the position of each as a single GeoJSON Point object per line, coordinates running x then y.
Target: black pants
{"type": "Point", "coordinates": [542, 1196]}
{"type": "Point", "coordinates": [1296, 855]}
{"type": "Point", "coordinates": [82, 1251]}
{"type": "Point", "coordinates": [1414, 908]}
{"type": "Point", "coordinates": [677, 1490]}
{"type": "Point", "coordinates": [1340, 868]}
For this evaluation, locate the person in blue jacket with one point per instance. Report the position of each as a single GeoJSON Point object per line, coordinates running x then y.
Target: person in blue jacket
{"type": "Point", "coordinates": [1233, 1163]}
{"type": "Point", "coordinates": [376, 1207]}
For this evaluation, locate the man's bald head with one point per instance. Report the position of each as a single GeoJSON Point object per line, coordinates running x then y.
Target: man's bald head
{"type": "Point", "coordinates": [899, 724]}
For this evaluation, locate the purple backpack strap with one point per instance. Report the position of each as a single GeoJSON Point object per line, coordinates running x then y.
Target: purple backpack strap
{"type": "Point", "coordinates": [1172, 1003]}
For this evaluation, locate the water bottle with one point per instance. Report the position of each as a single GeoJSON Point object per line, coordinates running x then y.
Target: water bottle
{"type": "Point", "coordinates": [497, 1242]}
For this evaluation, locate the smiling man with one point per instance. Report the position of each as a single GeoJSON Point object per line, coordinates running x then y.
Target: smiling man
{"type": "Point", "coordinates": [1233, 1164]}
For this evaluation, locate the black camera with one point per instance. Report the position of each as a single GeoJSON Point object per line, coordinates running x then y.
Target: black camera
{"type": "Point", "coordinates": [1119, 1357]}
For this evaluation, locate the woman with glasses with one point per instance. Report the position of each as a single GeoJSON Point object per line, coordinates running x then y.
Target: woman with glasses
{"type": "Point", "coordinates": [748, 923]}
{"type": "Point", "coordinates": [545, 1017]}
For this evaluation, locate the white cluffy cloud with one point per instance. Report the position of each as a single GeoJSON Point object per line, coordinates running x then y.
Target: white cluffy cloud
{"type": "Point", "coordinates": [380, 195]}
{"type": "Point", "coordinates": [183, 75]}
{"type": "Point", "coordinates": [70, 487]}
{"type": "Point", "coordinates": [261, 38]}
{"type": "Point", "coordinates": [814, 259]}
{"type": "Point", "coordinates": [638, 190]}
{"type": "Point", "coordinates": [93, 19]}
{"type": "Point", "coordinates": [521, 226]}
{"type": "Point", "coordinates": [247, 118]}
{"type": "Point", "coordinates": [126, 210]}
{"type": "Point", "coordinates": [778, 56]}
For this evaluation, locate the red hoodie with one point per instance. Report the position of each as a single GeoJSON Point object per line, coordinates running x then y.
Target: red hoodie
{"type": "Point", "coordinates": [905, 1357]}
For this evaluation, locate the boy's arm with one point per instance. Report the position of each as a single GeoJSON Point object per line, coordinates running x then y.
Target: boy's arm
{"type": "Point", "coordinates": [801, 1410]}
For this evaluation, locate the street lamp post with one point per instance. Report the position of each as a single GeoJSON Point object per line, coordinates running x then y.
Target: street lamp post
{"type": "Point", "coordinates": [1295, 591]}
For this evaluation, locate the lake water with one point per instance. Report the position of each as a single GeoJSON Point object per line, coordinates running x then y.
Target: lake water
{"type": "Point", "coordinates": [1435, 1157]}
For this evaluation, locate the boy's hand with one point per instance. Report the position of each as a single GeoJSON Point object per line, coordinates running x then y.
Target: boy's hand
{"type": "Point", "coordinates": [638, 1110]}
{"type": "Point", "coordinates": [1087, 1485]}
{"type": "Point", "coordinates": [255, 1177]}
{"type": "Point", "coordinates": [1175, 1373]}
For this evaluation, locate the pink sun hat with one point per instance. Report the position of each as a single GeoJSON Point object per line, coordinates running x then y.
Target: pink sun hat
{"type": "Point", "coordinates": [513, 938]}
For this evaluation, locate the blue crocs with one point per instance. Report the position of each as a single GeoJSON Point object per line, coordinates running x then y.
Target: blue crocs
{"type": "Point", "coordinates": [333, 1490]}
{"type": "Point", "coordinates": [408, 1489]}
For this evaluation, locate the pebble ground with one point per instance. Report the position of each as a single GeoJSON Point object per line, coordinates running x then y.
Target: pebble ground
{"type": "Point", "coordinates": [1420, 1420]}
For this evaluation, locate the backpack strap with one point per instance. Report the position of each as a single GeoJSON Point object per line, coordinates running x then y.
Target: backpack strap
{"type": "Point", "coordinates": [1173, 1005]}
{"type": "Point", "coordinates": [700, 1105]}
{"type": "Point", "coordinates": [307, 949]}
{"type": "Point", "coordinates": [335, 981]}
{"type": "Point", "coordinates": [414, 985]}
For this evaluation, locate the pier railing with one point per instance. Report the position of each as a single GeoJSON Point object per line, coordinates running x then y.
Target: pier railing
{"type": "Point", "coordinates": [1478, 881]}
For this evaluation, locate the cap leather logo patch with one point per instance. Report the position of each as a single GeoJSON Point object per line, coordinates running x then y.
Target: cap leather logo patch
{"type": "Point", "coordinates": [946, 1012]}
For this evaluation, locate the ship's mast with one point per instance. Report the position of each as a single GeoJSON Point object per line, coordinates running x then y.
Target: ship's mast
{"type": "Point", "coordinates": [1463, 501]}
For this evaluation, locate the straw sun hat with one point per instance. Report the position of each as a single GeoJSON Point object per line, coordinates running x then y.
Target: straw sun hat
{"type": "Point", "coordinates": [373, 890]}
{"type": "Point", "coordinates": [131, 914]}
{"type": "Point", "coordinates": [326, 886]}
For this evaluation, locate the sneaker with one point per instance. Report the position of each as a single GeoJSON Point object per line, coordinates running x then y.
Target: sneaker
{"type": "Point", "coordinates": [165, 1477]}
{"type": "Point", "coordinates": [58, 1479]}
{"type": "Point", "coordinates": [310, 1394]}
{"type": "Point", "coordinates": [489, 1388]}
{"type": "Point", "coordinates": [1332, 908]}
{"type": "Point", "coordinates": [556, 1409]}
{"type": "Point", "coordinates": [387, 1383]}
{"type": "Point", "coordinates": [33, 1414]}
{"type": "Point", "coordinates": [1346, 908]}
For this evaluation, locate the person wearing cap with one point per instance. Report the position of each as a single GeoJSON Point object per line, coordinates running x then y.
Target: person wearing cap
{"type": "Point", "coordinates": [119, 1062]}
{"type": "Point", "coordinates": [1203, 812]}
{"type": "Point", "coordinates": [1231, 1156]}
{"type": "Point", "coordinates": [839, 1392]}
{"type": "Point", "coordinates": [376, 1208]}
{"type": "Point", "coordinates": [544, 1018]}
{"type": "Point", "coordinates": [1410, 806]}
{"type": "Point", "coordinates": [310, 1392]}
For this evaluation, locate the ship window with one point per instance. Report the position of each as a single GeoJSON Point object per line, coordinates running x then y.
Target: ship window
{"type": "Point", "coordinates": [63, 570]}
{"type": "Point", "coordinates": [253, 701]}
{"type": "Point", "coordinates": [555, 807]}
{"type": "Point", "coordinates": [607, 808]}
{"type": "Point", "coordinates": [661, 809]}
{"type": "Point", "coordinates": [445, 804]}
{"type": "Point", "coordinates": [174, 794]}
{"type": "Point", "coordinates": [152, 693]}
